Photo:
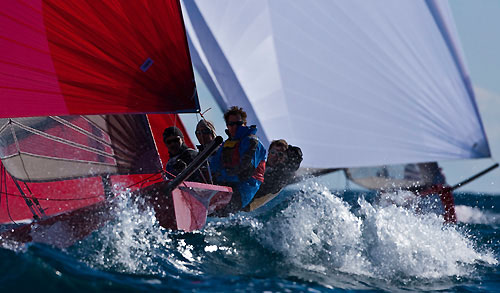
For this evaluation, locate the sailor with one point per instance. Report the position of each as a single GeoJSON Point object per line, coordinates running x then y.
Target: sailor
{"type": "Point", "coordinates": [205, 133]}
{"type": "Point", "coordinates": [180, 154]}
{"type": "Point", "coordinates": [240, 162]}
{"type": "Point", "coordinates": [282, 162]}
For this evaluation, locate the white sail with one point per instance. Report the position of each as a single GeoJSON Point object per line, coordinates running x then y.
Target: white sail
{"type": "Point", "coordinates": [353, 83]}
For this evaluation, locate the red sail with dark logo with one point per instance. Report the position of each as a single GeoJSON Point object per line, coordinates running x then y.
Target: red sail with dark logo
{"type": "Point", "coordinates": [77, 78]}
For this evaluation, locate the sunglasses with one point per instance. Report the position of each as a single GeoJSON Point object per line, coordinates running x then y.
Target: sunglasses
{"type": "Point", "coordinates": [203, 131]}
{"type": "Point", "coordinates": [172, 140]}
{"type": "Point", "coordinates": [239, 123]}
{"type": "Point", "coordinates": [276, 153]}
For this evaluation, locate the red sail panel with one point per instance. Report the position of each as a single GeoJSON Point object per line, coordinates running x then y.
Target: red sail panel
{"type": "Point", "coordinates": [55, 148]}
{"type": "Point", "coordinates": [124, 133]}
{"type": "Point", "coordinates": [92, 57]}
{"type": "Point", "coordinates": [53, 197]}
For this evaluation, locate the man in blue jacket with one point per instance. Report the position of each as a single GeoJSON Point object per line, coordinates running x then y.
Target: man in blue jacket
{"type": "Point", "coordinates": [241, 161]}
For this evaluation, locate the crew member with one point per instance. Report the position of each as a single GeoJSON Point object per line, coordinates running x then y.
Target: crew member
{"type": "Point", "coordinates": [282, 162]}
{"type": "Point", "coordinates": [240, 162]}
{"type": "Point", "coordinates": [180, 155]}
{"type": "Point", "coordinates": [205, 133]}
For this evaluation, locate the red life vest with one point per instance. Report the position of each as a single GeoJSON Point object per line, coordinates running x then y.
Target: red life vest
{"type": "Point", "coordinates": [231, 160]}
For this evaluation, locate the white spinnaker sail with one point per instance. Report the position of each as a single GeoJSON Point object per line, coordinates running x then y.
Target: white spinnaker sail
{"type": "Point", "coordinates": [353, 83]}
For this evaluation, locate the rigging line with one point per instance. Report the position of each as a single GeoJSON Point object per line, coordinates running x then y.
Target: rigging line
{"type": "Point", "coordinates": [70, 160]}
{"type": "Point", "coordinates": [154, 142]}
{"type": "Point", "coordinates": [141, 181]}
{"type": "Point", "coordinates": [203, 113]}
{"type": "Point", "coordinates": [157, 180]}
{"type": "Point", "coordinates": [61, 140]}
{"type": "Point", "coordinates": [18, 148]}
{"type": "Point", "coordinates": [210, 173]}
{"type": "Point", "coordinates": [3, 127]}
{"type": "Point", "coordinates": [174, 177]}
{"type": "Point", "coordinates": [28, 202]}
{"type": "Point", "coordinates": [79, 129]}
{"type": "Point", "coordinates": [4, 171]}
{"type": "Point", "coordinates": [203, 177]}
{"type": "Point", "coordinates": [35, 200]}
{"type": "Point", "coordinates": [53, 199]}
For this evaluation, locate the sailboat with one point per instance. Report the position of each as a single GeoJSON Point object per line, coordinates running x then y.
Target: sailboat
{"type": "Point", "coordinates": [353, 83]}
{"type": "Point", "coordinates": [80, 83]}
{"type": "Point", "coordinates": [360, 86]}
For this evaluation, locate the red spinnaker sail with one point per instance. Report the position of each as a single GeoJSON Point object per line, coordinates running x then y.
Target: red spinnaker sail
{"type": "Point", "coordinates": [85, 57]}
{"type": "Point", "coordinates": [60, 58]}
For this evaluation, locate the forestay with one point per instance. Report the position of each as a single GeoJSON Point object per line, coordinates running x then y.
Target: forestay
{"type": "Point", "coordinates": [353, 83]}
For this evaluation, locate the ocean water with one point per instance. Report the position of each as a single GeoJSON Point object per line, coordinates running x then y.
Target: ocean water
{"type": "Point", "coordinates": [311, 239]}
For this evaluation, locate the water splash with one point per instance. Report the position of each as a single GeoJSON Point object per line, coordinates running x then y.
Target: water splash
{"type": "Point", "coordinates": [474, 215]}
{"type": "Point", "coordinates": [320, 232]}
{"type": "Point", "coordinates": [402, 243]}
{"type": "Point", "coordinates": [314, 235]}
{"type": "Point", "coordinates": [132, 243]}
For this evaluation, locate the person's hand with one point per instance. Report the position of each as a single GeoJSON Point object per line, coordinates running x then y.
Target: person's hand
{"type": "Point", "coordinates": [179, 166]}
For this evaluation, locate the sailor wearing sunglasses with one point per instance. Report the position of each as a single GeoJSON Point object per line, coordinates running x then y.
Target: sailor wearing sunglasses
{"type": "Point", "coordinates": [180, 155]}
{"type": "Point", "coordinates": [240, 162]}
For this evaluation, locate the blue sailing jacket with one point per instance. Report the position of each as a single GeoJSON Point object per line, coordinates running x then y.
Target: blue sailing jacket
{"type": "Point", "coordinates": [241, 161]}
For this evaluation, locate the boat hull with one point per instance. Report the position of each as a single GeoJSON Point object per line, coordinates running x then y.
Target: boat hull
{"type": "Point", "coordinates": [62, 230]}
{"type": "Point", "coordinates": [186, 208]}
{"type": "Point", "coordinates": [188, 205]}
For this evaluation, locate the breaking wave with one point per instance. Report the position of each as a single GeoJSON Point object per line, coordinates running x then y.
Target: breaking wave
{"type": "Point", "coordinates": [320, 232]}
{"type": "Point", "coordinates": [313, 235]}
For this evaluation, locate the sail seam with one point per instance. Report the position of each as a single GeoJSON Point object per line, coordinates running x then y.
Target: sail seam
{"type": "Point", "coordinates": [61, 140]}
{"type": "Point", "coordinates": [17, 146]}
{"type": "Point", "coordinates": [79, 129]}
{"type": "Point", "coordinates": [21, 153]}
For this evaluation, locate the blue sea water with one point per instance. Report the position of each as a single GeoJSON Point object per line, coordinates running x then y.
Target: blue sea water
{"type": "Point", "coordinates": [311, 240]}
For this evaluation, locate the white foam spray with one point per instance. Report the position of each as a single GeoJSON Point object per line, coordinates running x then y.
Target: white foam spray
{"type": "Point", "coordinates": [135, 243]}
{"type": "Point", "coordinates": [319, 232]}
{"type": "Point", "coordinates": [474, 215]}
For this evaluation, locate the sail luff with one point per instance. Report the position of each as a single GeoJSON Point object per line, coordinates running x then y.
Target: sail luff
{"type": "Point", "coordinates": [435, 9]}
{"type": "Point", "coordinates": [232, 88]}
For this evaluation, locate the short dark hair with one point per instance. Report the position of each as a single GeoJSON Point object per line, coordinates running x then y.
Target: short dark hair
{"type": "Point", "coordinates": [279, 143]}
{"type": "Point", "coordinates": [172, 131]}
{"type": "Point", "coordinates": [235, 110]}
